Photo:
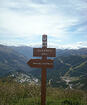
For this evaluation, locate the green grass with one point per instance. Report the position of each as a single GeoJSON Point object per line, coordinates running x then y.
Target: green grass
{"type": "Point", "coordinates": [12, 93]}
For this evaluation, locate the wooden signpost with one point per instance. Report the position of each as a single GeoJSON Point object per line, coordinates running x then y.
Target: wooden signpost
{"type": "Point", "coordinates": [43, 63]}
{"type": "Point", "coordinates": [48, 52]}
{"type": "Point", "coordinates": [39, 63]}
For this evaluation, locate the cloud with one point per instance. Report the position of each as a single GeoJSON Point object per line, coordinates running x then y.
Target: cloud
{"type": "Point", "coordinates": [22, 24]}
{"type": "Point", "coordinates": [26, 20]}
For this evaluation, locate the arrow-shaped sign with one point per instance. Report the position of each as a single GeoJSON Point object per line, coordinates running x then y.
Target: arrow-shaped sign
{"type": "Point", "coordinates": [39, 63]}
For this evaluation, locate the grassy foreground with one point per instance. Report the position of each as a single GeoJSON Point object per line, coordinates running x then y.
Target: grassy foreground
{"type": "Point", "coordinates": [12, 93]}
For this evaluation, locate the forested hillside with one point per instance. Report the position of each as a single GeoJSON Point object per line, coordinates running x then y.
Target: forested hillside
{"type": "Point", "coordinates": [12, 61]}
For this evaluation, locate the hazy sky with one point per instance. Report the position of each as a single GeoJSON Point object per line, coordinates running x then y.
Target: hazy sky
{"type": "Point", "coordinates": [23, 22]}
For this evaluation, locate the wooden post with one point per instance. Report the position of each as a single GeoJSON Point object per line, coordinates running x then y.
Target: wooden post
{"type": "Point", "coordinates": [43, 86]}
{"type": "Point", "coordinates": [43, 73]}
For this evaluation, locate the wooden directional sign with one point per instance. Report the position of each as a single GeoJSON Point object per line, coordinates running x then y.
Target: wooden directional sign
{"type": "Point", "coordinates": [43, 63]}
{"type": "Point", "coordinates": [48, 52]}
{"type": "Point", "coordinates": [39, 63]}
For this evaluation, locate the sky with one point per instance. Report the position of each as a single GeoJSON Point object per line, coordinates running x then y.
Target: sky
{"type": "Point", "coordinates": [23, 22]}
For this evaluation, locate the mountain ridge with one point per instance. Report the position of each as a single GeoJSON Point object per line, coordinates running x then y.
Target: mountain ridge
{"type": "Point", "coordinates": [68, 66]}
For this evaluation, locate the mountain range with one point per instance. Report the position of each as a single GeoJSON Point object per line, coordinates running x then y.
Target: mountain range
{"type": "Point", "coordinates": [70, 66]}
{"type": "Point", "coordinates": [12, 61]}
